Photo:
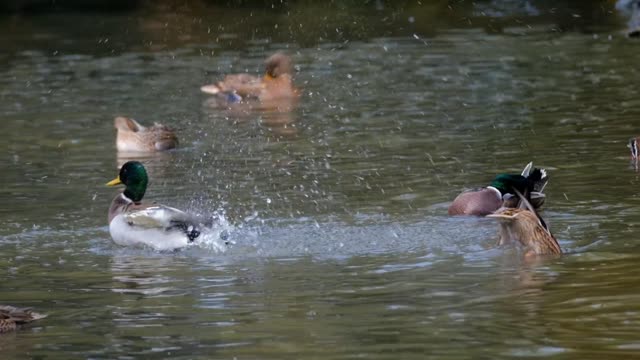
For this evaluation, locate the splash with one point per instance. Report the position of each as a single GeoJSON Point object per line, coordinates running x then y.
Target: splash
{"type": "Point", "coordinates": [216, 236]}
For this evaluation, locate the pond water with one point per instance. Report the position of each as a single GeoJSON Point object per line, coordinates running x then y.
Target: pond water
{"type": "Point", "coordinates": [336, 210]}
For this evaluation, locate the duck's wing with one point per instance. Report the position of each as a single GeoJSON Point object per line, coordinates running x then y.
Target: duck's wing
{"type": "Point", "coordinates": [244, 85]}
{"type": "Point", "coordinates": [164, 218]}
{"type": "Point", "coordinates": [19, 315]}
{"type": "Point", "coordinates": [156, 216]}
{"type": "Point", "coordinates": [164, 137]}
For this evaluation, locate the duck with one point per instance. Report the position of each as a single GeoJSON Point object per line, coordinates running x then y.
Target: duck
{"type": "Point", "coordinates": [630, 9]}
{"type": "Point", "coordinates": [484, 201]}
{"type": "Point", "coordinates": [633, 146]}
{"type": "Point", "coordinates": [525, 226]}
{"type": "Point", "coordinates": [12, 317]}
{"type": "Point", "coordinates": [276, 83]}
{"type": "Point", "coordinates": [133, 137]}
{"type": "Point", "coordinates": [136, 224]}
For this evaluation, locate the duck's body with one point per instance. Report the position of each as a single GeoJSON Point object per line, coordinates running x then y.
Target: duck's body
{"type": "Point", "coordinates": [243, 85]}
{"type": "Point", "coordinates": [484, 201]}
{"type": "Point", "coordinates": [479, 202]}
{"type": "Point", "coordinates": [12, 317]}
{"type": "Point", "coordinates": [133, 223]}
{"type": "Point", "coordinates": [526, 227]}
{"type": "Point", "coordinates": [277, 83]}
{"type": "Point", "coordinates": [133, 137]}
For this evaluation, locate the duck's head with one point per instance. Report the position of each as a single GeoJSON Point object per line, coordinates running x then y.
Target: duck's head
{"type": "Point", "coordinates": [277, 65]}
{"type": "Point", "coordinates": [134, 177]}
{"type": "Point", "coordinates": [633, 146]}
{"type": "Point", "coordinates": [506, 182]}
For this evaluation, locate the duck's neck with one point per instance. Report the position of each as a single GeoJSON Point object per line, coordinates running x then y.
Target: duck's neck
{"type": "Point", "coordinates": [135, 192]}
{"type": "Point", "coordinates": [118, 206]}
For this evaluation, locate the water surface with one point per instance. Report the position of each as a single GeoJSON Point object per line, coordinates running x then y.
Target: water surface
{"type": "Point", "coordinates": [337, 210]}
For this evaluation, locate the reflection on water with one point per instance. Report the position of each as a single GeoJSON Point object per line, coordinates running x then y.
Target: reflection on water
{"type": "Point", "coordinates": [141, 275]}
{"type": "Point", "coordinates": [278, 116]}
{"type": "Point", "coordinates": [334, 205]}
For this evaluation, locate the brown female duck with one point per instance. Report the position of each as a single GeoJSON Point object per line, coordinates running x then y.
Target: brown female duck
{"type": "Point", "coordinates": [524, 225]}
{"type": "Point", "coordinates": [277, 83]}
{"type": "Point", "coordinates": [133, 137]}
{"type": "Point", "coordinates": [12, 317]}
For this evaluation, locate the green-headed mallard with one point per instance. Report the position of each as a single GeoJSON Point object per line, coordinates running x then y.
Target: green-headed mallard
{"type": "Point", "coordinates": [524, 225]}
{"type": "Point", "coordinates": [484, 201]}
{"type": "Point", "coordinates": [132, 223]}
{"type": "Point", "coordinates": [133, 137]}
{"type": "Point", "coordinates": [12, 317]}
{"type": "Point", "coordinates": [277, 83]}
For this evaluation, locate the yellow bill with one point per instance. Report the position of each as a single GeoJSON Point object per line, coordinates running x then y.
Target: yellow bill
{"type": "Point", "coordinates": [114, 182]}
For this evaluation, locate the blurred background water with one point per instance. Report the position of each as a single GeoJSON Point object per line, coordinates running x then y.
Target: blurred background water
{"type": "Point", "coordinates": [337, 209]}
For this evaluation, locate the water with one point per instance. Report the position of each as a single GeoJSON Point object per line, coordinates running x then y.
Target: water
{"type": "Point", "coordinates": [337, 210]}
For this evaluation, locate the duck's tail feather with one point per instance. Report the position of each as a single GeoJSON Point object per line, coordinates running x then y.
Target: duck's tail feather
{"type": "Point", "coordinates": [212, 89]}
{"type": "Point", "coordinates": [536, 177]}
{"type": "Point", "coordinates": [527, 169]}
{"type": "Point", "coordinates": [198, 223]}
{"type": "Point", "coordinates": [191, 230]}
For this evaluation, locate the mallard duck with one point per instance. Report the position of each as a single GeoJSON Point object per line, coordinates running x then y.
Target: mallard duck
{"type": "Point", "coordinates": [484, 201]}
{"type": "Point", "coordinates": [132, 223]}
{"type": "Point", "coordinates": [12, 317]}
{"type": "Point", "coordinates": [633, 146]}
{"type": "Point", "coordinates": [277, 83]}
{"type": "Point", "coordinates": [133, 137]}
{"type": "Point", "coordinates": [525, 226]}
{"type": "Point", "coordinates": [534, 194]}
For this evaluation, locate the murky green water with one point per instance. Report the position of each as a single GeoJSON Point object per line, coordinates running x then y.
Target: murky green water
{"type": "Point", "coordinates": [343, 248]}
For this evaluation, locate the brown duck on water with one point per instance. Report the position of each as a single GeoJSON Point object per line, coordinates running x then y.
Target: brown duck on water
{"type": "Point", "coordinates": [12, 317]}
{"type": "Point", "coordinates": [276, 83]}
{"type": "Point", "coordinates": [133, 137]}
{"type": "Point", "coordinates": [524, 225]}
